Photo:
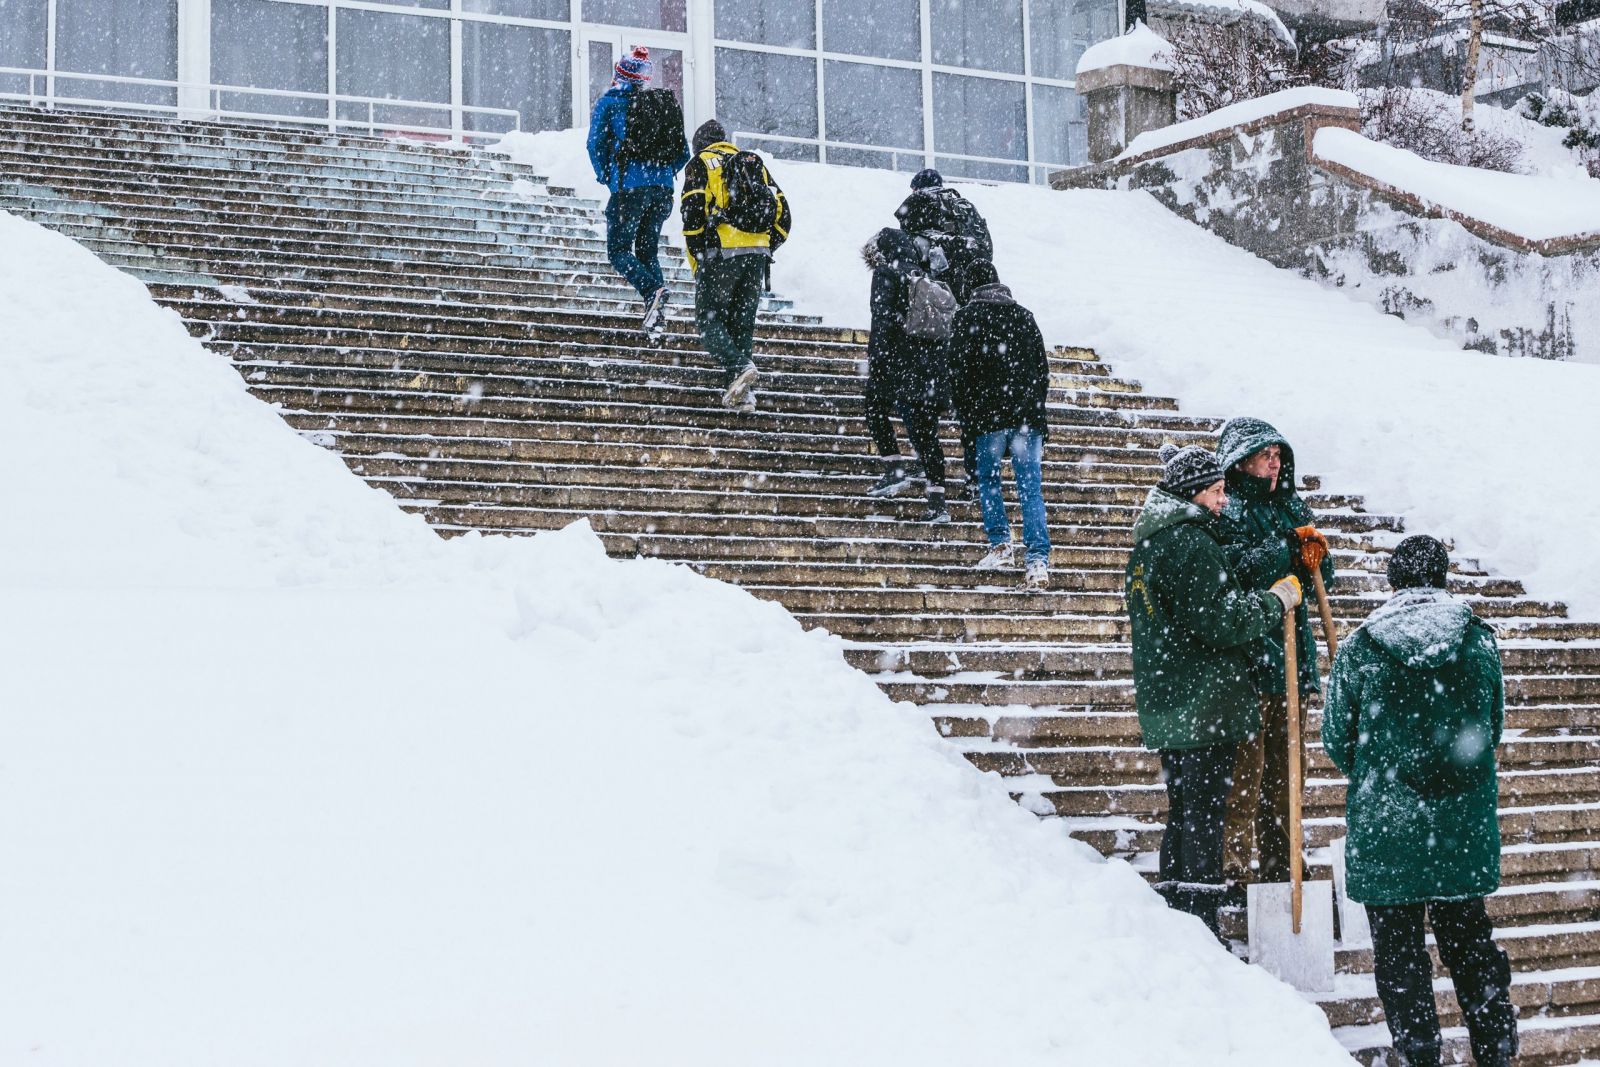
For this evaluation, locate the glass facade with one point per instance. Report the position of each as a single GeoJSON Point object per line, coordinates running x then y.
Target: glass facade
{"type": "Point", "coordinates": [979, 88]}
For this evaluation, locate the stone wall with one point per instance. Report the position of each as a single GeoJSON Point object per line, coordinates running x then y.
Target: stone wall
{"type": "Point", "coordinates": [1260, 186]}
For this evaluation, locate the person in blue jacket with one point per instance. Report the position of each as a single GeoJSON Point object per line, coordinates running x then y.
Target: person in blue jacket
{"type": "Point", "coordinates": [641, 191]}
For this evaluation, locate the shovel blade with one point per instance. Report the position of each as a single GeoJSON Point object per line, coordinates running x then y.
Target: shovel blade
{"type": "Point", "coordinates": [1304, 960]}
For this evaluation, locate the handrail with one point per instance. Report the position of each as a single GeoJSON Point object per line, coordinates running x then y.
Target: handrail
{"type": "Point", "coordinates": [455, 114]}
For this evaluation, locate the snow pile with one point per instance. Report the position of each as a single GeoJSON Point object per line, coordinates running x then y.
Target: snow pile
{"type": "Point", "coordinates": [1139, 47]}
{"type": "Point", "coordinates": [1458, 442]}
{"type": "Point", "coordinates": [1230, 10]}
{"type": "Point", "coordinates": [1237, 115]}
{"type": "Point", "coordinates": [1532, 207]}
{"type": "Point", "coordinates": [288, 779]}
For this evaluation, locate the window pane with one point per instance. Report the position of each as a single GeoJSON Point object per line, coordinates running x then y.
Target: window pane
{"type": "Point", "coordinates": [1061, 31]}
{"type": "Point", "coordinates": [979, 117]}
{"type": "Point", "coordinates": [891, 29]}
{"type": "Point", "coordinates": [1060, 126]}
{"type": "Point", "coordinates": [298, 60]}
{"type": "Point", "coordinates": [874, 105]}
{"type": "Point", "coordinates": [414, 3]}
{"type": "Point", "coordinates": [22, 33]}
{"type": "Point", "coordinates": [523, 68]}
{"type": "Point", "coordinates": [986, 34]}
{"type": "Point", "coordinates": [395, 57]}
{"type": "Point", "coordinates": [760, 92]}
{"type": "Point", "coordinates": [786, 23]}
{"type": "Point", "coordinates": [554, 10]}
{"type": "Point", "coordinates": [127, 38]}
{"type": "Point", "coordinates": [645, 14]}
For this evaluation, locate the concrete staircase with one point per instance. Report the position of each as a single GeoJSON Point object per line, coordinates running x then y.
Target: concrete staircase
{"type": "Point", "coordinates": [447, 323]}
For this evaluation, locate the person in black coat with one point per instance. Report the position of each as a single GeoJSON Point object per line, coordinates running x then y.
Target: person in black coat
{"type": "Point", "coordinates": [950, 231]}
{"type": "Point", "coordinates": [904, 374]}
{"type": "Point", "coordinates": [1000, 375]}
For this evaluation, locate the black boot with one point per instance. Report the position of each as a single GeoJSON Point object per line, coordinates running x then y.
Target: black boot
{"type": "Point", "coordinates": [896, 476]}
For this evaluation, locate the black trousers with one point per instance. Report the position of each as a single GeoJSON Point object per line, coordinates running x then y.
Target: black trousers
{"type": "Point", "coordinates": [1478, 968]}
{"type": "Point", "coordinates": [1198, 782]}
{"type": "Point", "coordinates": [919, 401]}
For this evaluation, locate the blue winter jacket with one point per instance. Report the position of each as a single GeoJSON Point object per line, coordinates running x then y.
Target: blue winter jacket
{"type": "Point", "coordinates": [606, 129]}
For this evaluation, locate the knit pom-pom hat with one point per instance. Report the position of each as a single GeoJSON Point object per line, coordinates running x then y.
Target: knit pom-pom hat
{"type": "Point", "coordinates": [1188, 469]}
{"type": "Point", "coordinates": [636, 66]}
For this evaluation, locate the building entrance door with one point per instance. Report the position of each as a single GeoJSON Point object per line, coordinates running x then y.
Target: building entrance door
{"type": "Point", "coordinates": [600, 49]}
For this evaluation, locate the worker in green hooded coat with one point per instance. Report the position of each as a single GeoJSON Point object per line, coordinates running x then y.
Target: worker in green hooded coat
{"type": "Point", "coordinates": [1191, 627]}
{"type": "Point", "coordinates": [1267, 532]}
{"type": "Point", "coordinates": [1414, 711]}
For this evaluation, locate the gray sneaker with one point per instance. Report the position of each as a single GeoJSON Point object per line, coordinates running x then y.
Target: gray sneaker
{"type": "Point", "coordinates": [1001, 557]}
{"type": "Point", "coordinates": [1037, 575]}
{"type": "Point", "coordinates": [741, 385]}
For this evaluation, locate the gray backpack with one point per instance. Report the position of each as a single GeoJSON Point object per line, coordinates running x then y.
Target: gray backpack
{"type": "Point", "coordinates": [930, 309]}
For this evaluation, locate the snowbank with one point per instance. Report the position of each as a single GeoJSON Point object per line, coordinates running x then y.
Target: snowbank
{"type": "Point", "coordinates": [1458, 442]}
{"type": "Point", "coordinates": [1237, 114]}
{"type": "Point", "coordinates": [1139, 47]}
{"type": "Point", "coordinates": [1532, 207]}
{"type": "Point", "coordinates": [289, 780]}
{"type": "Point", "coordinates": [1236, 8]}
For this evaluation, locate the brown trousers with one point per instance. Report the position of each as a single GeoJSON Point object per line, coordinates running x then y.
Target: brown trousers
{"type": "Point", "coordinates": [1258, 806]}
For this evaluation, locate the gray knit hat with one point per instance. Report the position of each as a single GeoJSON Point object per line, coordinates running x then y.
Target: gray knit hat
{"type": "Point", "coordinates": [1188, 469]}
{"type": "Point", "coordinates": [1419, 561]}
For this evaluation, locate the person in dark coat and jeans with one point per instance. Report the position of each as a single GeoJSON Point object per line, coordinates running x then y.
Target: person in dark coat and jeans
{"type": "Point", "coordinates": [1192, 624]}
{"type": "Point", "coordinates": [1415, 708]}
{"type": "Point", "coordinates": [1267, 532]}
{"type": "Point", "coordinates": [904, 374]}
{"type": "Point", "coordinates": [999, 378]}
{"type": "Point", "coordinates": [641, 193]}
{"type": "Point", "coordinates": [948, 228]}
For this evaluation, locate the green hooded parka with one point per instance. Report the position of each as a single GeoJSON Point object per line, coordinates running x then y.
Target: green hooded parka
{"type": "Point", "coordinates": [1414, 711]}
{"type": "Point", "coordinates": [1257, 530]}
{"type": "Point", "coordinates": [1192, 624]}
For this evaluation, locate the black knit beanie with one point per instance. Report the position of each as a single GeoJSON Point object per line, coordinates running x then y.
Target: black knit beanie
{"type": "Point", "coordinates": [981, 272]}
{"type": "Point", "coordinates": [710, 132]}
{"type": "Point", "coordinates": [926, 179]}
{"type": "Point", "coordinates": [1188, 470]}
{"type": "Point", "coordinates": [1419, 561]}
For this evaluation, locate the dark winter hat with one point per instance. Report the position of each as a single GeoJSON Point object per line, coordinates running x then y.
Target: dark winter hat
{"type": "Point", "coordinates": [1188, 470]}
{"type": "Point", "coordinates": [981, 272]}
{"type": "Point", "coordinates": [635, 66]}
{"type": "Point", "coordinates": [926, 179]}
{"type": "Point", "coordinates": [1419, 561]}
{"type": "Point", "coordinates": [892, 248]}
{"type": "Point", "coordinates": [710, 132]}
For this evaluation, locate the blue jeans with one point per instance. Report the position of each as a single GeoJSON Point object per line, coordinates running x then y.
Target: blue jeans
{"type": "Point", "coordinates": [1026, 448]}
{"type": "Point", "coordinates": [634, 218]}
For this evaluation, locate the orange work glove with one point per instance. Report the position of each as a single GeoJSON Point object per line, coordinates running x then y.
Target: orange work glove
{"type": "Point", "coordinates": [1313, 546]}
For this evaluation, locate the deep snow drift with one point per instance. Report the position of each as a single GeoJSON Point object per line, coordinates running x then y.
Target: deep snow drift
{"type": "Point", "coordinates": [286, 779]}
{"type": "Point", "coordinates": [1489, 451]}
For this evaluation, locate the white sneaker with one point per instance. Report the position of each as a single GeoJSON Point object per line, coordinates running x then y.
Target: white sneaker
{"type": "Point", "coordinates": [1001, 557]}
{"type": "Point", "coordinates": [740, 386]}
{"type": "Point", "coordinates": [655, 315]}
{"type": "Point", "coordinates": [1037, 575]}
{"type": "Point", "coordinates": [748, 404]}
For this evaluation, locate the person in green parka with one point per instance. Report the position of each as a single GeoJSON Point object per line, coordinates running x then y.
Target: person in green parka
{"type": "Point", "coordinates": [1267, 532]}
{"type": "Point", "coordinates": [1414, 711]}
{"type": "Point", "coordinates": [1192, 624]}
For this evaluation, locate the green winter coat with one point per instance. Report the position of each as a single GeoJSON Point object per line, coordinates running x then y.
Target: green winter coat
{"type": "Point", "coordinates": [1258, 536]}
{"type": "Point", "coordinates": [1191, 625]}
{"type": "Point", "coordinates": [1414, 711]}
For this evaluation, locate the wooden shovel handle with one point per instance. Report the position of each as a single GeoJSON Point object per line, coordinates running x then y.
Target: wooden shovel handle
{"type": "Point", "coordinates": [1327, 613]}
{"type": "Point", "coordinates": [1292, 693]}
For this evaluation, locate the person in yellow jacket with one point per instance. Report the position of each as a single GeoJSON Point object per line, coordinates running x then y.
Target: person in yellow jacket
{"type": "Point", "coordinates": [730, 263]}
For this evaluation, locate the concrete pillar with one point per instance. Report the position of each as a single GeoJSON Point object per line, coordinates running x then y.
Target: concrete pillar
{"type": "Point", "coordinates": [1123, 101]}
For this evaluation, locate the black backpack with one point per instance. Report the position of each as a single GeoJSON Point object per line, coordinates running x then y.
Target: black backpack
{"type": "Point", "coordinates": [963, 220]}
{"type": "Point", "coordinates": [752, 201]}
{"type": "Point", "coordinates": [653, 132]}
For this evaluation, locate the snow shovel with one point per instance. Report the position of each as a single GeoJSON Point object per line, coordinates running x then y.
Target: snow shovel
{"type": "Point", "coordinates": [1291, 925]}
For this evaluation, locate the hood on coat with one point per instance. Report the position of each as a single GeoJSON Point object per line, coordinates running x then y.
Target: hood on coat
{"type": "Point", "coordinates": [894, 249]}
{"type": "Point", "coordinates": [1242, 438]}
{"type": "Point", "coordinates": [993, 293]}
{"type": "Point", "coordinates": [1163, 510]}
{"type": "Point", "coordinates": [1422, 628]}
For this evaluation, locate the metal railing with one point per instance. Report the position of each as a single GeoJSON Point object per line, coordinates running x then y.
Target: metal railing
{"type": "Point", "coordinates": [195, 101]}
